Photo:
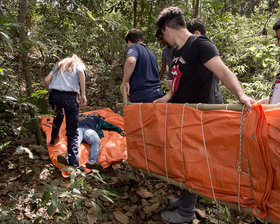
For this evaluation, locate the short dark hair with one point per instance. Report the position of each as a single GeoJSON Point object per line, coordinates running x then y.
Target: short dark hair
{"type": "Point", "coordinates": [158, 33]}
{"type": "Point", "coordinates": [134, 35]}
{"type": "Point", "coordinates": [172, 17]}
{"type": "Point", "coordinates": [276, 25]}
{"type": "Point", "coordinates": [196, 24]}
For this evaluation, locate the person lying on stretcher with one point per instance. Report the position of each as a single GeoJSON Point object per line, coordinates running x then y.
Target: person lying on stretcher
{"type": "Point", "coordinates": [90, 131]}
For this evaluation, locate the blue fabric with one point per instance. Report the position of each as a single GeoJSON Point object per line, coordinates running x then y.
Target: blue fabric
{"type": "Point", "coordinates": [90, 122]}
{"type": "Point", "coordinates": [63, 103]}
{"type": "Point", "coordinates": [90, 137]}
{"type": "Point", "coordinates": [144, 81]}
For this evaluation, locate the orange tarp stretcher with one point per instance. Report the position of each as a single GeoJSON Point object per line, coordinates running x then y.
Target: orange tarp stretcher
{"type": "Point", "coordinates": [112, 149]}
{"type": "Point", "coordinates": [213, 152]}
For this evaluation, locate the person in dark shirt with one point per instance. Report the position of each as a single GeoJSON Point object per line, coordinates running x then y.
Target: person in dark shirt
{"type": "Point", "coordinates": [140, 70]}
{"type": "Point", "coordinates": [90, 131]}
{"type": "Point", "coordinates": [196, 61]}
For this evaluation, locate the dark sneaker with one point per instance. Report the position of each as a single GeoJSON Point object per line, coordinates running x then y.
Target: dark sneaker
{"type": "Point", "coordinates": [173, 202]}
{"type": "Point", "coordinates": [174, 217]}
{"type": "Point", "coordinates": [94, 165]}
{"type": "Point", "coordinates": [54, 141]}
{"type": "Point", "coordinates": [81, 168]}
{"type": "Point", "coordinates": [61, 159]}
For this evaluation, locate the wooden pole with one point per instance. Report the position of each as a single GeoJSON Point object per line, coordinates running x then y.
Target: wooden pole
{"type": "Point", "coordinates": [202, 106]}
{"type": "Point", "coordinates": [124, 94]}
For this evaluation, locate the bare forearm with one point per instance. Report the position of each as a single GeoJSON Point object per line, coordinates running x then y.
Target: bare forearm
{"type": "Point", "coordinates": [82, 81]}
{"type": "Point", "coordinates": [48, 80]}
{"type": "Point", "coordinates": [162, 70]}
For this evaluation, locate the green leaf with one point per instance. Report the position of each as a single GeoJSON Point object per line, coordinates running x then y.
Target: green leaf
{"type": "Point", "coordinates": [51, 209]}
{"type": "Point", "coordinates": [46, 196]}
{"type": "Point", "coordinates": [37, 220]}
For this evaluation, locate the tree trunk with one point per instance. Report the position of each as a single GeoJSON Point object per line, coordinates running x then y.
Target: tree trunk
{"type": "Point", "coordinates": [25, 69]}
{"type": "Point", "coordinates": [134, 13]}
{"type": "Point", "coordinates": [195, 8]}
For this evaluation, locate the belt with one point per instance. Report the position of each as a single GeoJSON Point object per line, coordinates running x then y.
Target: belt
{"type": "Point", "coordinates": [64, 92]}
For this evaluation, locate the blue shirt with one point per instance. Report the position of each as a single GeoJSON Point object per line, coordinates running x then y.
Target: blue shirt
{"type": "Point", "coordinates": [144, 81]}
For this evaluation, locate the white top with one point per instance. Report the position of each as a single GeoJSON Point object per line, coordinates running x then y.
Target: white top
{"type": "Point", "coordinates": [64, 81]}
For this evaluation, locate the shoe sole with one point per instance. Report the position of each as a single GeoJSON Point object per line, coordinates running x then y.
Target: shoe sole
{"type": "Point", "coordinates": [95, 166]}
{"type": "Point", "coordinates": [61, 159]}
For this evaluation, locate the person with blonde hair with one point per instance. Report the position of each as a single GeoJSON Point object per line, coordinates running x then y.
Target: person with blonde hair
{"type": "Point", "coordinates": [65, 82]}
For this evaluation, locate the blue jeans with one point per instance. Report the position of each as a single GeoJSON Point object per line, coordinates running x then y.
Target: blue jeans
{"type": "Point", "coordinates": [65, 103]}
{"type": "Point", "coordinates": [91, 137]}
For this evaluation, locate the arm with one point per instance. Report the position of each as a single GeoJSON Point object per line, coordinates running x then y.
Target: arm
{"type": "Point", "coordinates": [128, 70]}
{"type": "Point", "coordinates": [162, 70]}
{"type": "Point", "coordinates": [164, 99]}
{"type": "Point", "coordinates": [48, 80]}
{"type": "Point", "coordinates": [229, 79]}
{"type": "Point", "coordinates": [110, 127]}
{"type": "Point", "coordinates": [264, 101]}
{"type": "Point", "coordinates": [82, 80]}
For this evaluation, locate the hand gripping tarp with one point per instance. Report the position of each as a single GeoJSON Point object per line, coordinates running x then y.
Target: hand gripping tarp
{"type": "Point", "coordinates": [225, 155]}
{"type": "Point", "coordinates": [112, 149]}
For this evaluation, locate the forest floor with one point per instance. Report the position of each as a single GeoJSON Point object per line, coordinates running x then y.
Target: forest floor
{"type": "Point", "coordinates": [33, 188]}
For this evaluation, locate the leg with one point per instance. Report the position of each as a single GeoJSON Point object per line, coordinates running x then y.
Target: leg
{"type": "Point", "coordinates": [58, 118]}
{"type": "Point", "coordinates": [71, 108]}
{"type": "Point", "coordinates": [186, 205]}
{"type": "Point", "coordinates": [92, 138]}
{"type": "Point", "coordinates": [185, 212]}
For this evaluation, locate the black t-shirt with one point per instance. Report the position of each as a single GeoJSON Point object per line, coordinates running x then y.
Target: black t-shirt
{"type": "Point", "coordinates": [192, 82]}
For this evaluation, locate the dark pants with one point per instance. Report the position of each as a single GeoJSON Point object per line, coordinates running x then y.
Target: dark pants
{"type": "Point", "coordinates": [67, 103]}
{"type": "Point", "coordinates": [187, 202]}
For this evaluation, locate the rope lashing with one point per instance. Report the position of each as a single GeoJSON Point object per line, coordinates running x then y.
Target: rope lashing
{"type": "Point", "coordinates": [143, 138]}
{"type": "Point", "coordinates": [165, 138]}
{"type": "Point", "coordinates": [240, 154]}
{"type": "Point", "coordinates": [206, 154]}
{"type": "Point", "coordinates": [182, 153]}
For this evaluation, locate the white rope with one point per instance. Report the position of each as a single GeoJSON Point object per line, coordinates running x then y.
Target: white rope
{"type": "Point", "coordinates": [165, 138]}
{"type": "Point", "coordinates": [240, 154]}
{"type": "Point", "coordinates": [227, 106]}
{"type": "Point", "coordinates": [197, 106]}
{"type": "Point", "coordinates": [210, 176]}
{"type": "Point", "coordinates": [143, 137]}
{"type": "Point", "coordinates": [182, 153]}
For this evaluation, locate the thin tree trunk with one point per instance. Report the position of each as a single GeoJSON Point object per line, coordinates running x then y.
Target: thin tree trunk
{"type": "Point", "coordinates": [135, 14]}
{"type": "Point", "coordinates": [25, 67]}
{"type": "Point", "coordinates": [195, 8]}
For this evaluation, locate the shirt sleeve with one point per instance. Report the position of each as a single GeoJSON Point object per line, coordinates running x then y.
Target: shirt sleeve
{"type": "Point", "coordinates": [206, 50]}
{"type": "Point", "coordinates": [132, 52]}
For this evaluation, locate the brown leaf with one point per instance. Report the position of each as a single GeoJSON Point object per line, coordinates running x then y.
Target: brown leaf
{"type": "Point", "coordinates": [152, 208]}
{"type": "Point", "coordinates": [201, 213]}
{"type": "Point", "coordinates": [141, 191]}
{"type": "Point", "coordinates": [92, 216]}
{"type": "Point", "coordinates": [122, 218]}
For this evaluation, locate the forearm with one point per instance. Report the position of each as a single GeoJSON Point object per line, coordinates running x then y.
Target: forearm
{"type": "Point", "coordinates": [162, 70]}
{"type": "Point", "coordinates": [48, 80]}
{"type": "Point", "coordinates": [230, 80]}
{"type": "Point", "coordinates": [82, 80]}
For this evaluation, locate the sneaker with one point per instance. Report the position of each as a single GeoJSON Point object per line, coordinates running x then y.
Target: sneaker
{"type": "Point", "coordinates": [81, 168]}
{"type": "Point", "coordinates": [174, 217]}
{"type": "Point", "coordinates": [173, 202]}
{"type": "Point", "coordinates": [54, 141]}
{"type": "Point", "coordinates": [94, 165]}
{"type": "Point", "coordinates": [61, 159]}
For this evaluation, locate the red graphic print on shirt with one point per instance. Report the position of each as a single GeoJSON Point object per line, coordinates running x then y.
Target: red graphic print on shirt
{"type": "Point", "coordinates": [176, 78]}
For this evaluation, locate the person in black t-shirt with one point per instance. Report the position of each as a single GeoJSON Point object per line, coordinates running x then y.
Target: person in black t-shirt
{"type": "Point", "coordinates": [195, 60]}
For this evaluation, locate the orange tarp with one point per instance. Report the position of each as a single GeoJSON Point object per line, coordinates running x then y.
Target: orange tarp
{"type": "Point", "coordinates": [202, 149]}
{"type": "Point", "coordinates": [112, 149]}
